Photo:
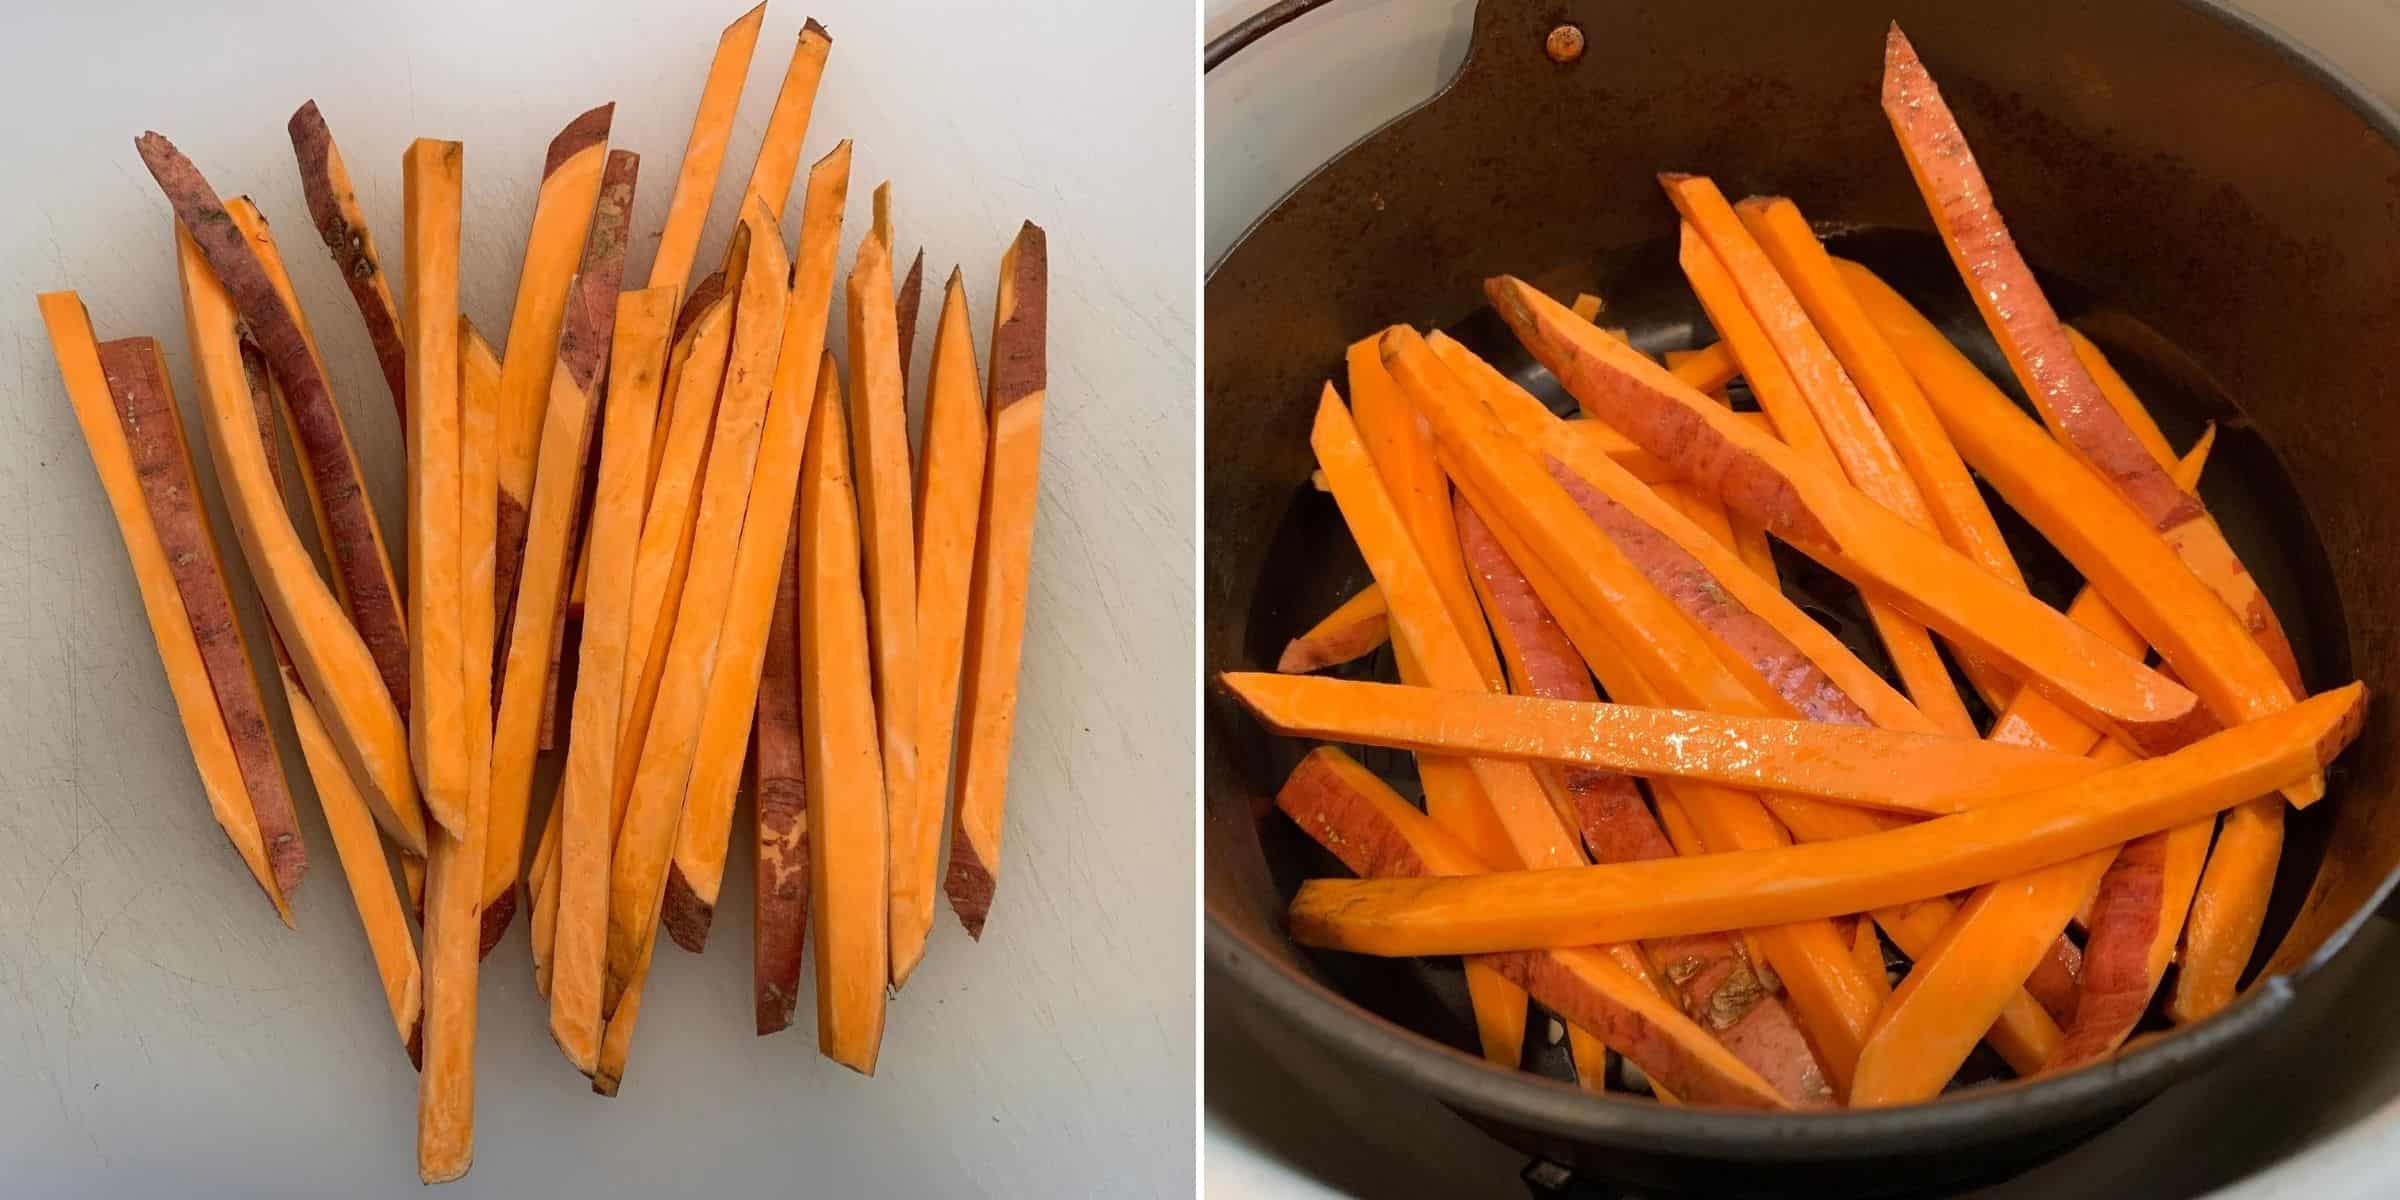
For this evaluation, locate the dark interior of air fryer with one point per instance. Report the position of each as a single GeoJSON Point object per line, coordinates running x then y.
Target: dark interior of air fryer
{"type": "Point", "coordinates": [1311, 566]}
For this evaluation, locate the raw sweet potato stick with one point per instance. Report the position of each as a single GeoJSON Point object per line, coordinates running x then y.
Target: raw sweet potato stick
{"type": "Point", "coordinates": [1816, 408]}
{"type": "Point", "coordinates": [1355, 629]}
{"type": "Point", "coordinates": [645, 320]}
{"type": "Point", "coordinates": [333, 207]}
{"type": "Point", "coordinates": [562, 221]}
{"type": "Point", "coordinates": [779, 789]}
{"type": "Point", "coordinates": [645, 839]}
{"type": "Point", "coordinates": [331, 656]}
{"type": "Point", "coordinates": [949, 492]}
{"type": "Point", "coordinates": [162, 460]}
{"type": "Point", "coordinates": [1714, 982]}
{"type": "Point", "coordinates": [1805, 506]}
{"type": "Point", "coordinates": [879, 440]}
{"type": "Point", "coordinates": [1920, 773]}
{"type": "Point", "coordinates": [362, 571]}
{"type": "Point", "coordinates": [1377, 834]}
{"type": "Point", "coordinates": [787, 125]}
{"type": "Point", "coordinates": [432, 176]}
{"type": "Point", "coordinates": [213, 750]}
{"type": "Point", "coordinates": [2064, 392]}
{"type": "Point", "coordinates": [697, 871]}
{"type": "Point", "coordinates": [846, 812]}
{"type": "Point", "coordinates": [1529, 909]}
{"type": "Point", "coordinates": [704, 151]}
{"type": "Point", "coordinates": [1019, 372]}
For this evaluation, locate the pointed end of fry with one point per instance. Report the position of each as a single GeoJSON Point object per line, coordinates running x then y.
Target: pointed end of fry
{"type": "Point", "coordinates": [1900, 61]}
{"type": "Point", "coordinates": [969, 885]}
{"type": "Point", "coordinates": [1298, 658]}
{"type": "Point", "coordinates": [686, 916]}
{"type": "Point", "coordinates": [305, 119]}
{"type": "Point", "coordinates": [415, 1046]}
{"type": "Point", "coordinates": [810, 28]}
{"type": "Point", "coordinates": [881, 228]}
{"type": "Point", "coordinates": [747, 22]}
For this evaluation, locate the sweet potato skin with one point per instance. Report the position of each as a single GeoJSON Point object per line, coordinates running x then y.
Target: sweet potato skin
{"type": "Point", "coordinates": [333, 207]}
{"type": "Point", "coordinates": [780, 792]}
{"type": "Point", "coordinates": [154, 432]}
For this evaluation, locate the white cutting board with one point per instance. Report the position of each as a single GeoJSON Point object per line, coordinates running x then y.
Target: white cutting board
{"type": "Point", "coordinates": [160, 1033]}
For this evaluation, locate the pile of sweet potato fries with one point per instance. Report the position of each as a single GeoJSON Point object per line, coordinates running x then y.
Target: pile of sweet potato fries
{"type": "Point", "coordinates": [2112, 833]}
{"type": "Point", "coordinates": [651, 491]}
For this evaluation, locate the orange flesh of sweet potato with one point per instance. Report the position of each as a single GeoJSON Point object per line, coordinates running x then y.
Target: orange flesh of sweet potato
{"type": "Point", "coordinates": [1752, 590]}
{"type": "Point", "coordinates": [697, 869]}
{"type": "Point", "coordinates": [1600, 439]}
{"type": "Point", "coordinates": [432, 176]}
{"type": "Point", "coordinates": [1402, 448]}
{"type": "Point", "coordinates": [779, 928]}
{"type": "Point", "coordinates": [887, 521]}
{"type": "Point", "coordinates": [1819, 413]}
{"type": "Point", "coordinates": [1355, 629]}
{"type": "Point", "coordinates": [162, 462]}
{"type": "Point", "coordinates": [213, 751]}
{"type": "Point", "coordinates": [562, 220]}
{"type": "Point", "coordinates": [1855, 536]}
{"type": "Point", "coordinates": [704, 150]}
{"type": "Point", "coordinates": [949, 491]}
{"type": "Point", "coordinates": [332, 657]}
{"type": "Point", "coordinates": [1913, 773]}
{"type": "Point", "coordinates": [1018, 373]}
{"type": "Point", "coordinates": [787, 124]}
{"type": "Point", "coordinates": [2148, 583]}
{"type": "Point", "coordinates": [580, 921]}
{"type": "Point", "coordinates": [362, 571]}
{"type": "Point", "coordinates": [645, 839]}
{"type": "Point", "coordinates": [1575, 906]}
{"type": "Point", "coordinates": [845, 797]}
{"type": "Point", "coordinates": [333, 207]}
{"type": "Point", "coordinates": [1715, 984]}
{"type": "Point", "coordinates": [1707, 369]}
{"type": "Point", "coordinates": [1379, 835]}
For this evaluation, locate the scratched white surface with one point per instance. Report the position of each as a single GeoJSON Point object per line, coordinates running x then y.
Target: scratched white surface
{"type": "Point", "coordinates": [159, 1031]}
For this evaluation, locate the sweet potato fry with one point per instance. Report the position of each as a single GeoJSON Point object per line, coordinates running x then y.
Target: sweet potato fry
{"type": "Point", "coordinates": [879, 437]}
{"type": "Point", "coordinates": [432, 175]}
{"type": "Point", "coordinates": [177, 633]}
{"type": "Point", "coordinates": [1355, 629]}
{"type": "Point", "coordinates": [1707, 369]}
{"type": "Point", "coordinates": [1816, 409]}
{"type": "Point", "coordinates": [1919, 773]}
{"type": "Point", "coordinates": [333, 207]}
{"type": "Point", "coordinates": [787, 124]}
{"type": "Point", "coordinates": [1597, 438]}
{"type": "Point", "coordinates": [162, 461]}
{"type": "Point", "coordinates": [704, 151]}
{"type": "Point", "coordinates": [1378, 835]}
{"type": "Point", "coordinates": [1715, 984]}
{"type": "Point", "coordinates": [580, 927]}
{"type": "Point", "coordinates": [1403, 452]}
{"type": "Point", "coordinates": [2130, 411]}
{"type": "Point", "coordinates": [362, 571]}
{"type": "Point", "coordinates": [1806, 507]}
{"type": "Point", "coordinates": [697, 869]}
{"type": "Point", "coordinates": [1019, 373]}
{"type": "Point", "coordinates": [1529, 909]}
{"type": "Point", "coordinates": [330, 654]}
{"type": "Point", "coordinates": [645, 838]}
{"type": "Point", "coordinates": [2140, 572]}
{"type": "Point", "coordinates": [846, 812]}
{"type": "Point", "coordinates": [562, 221]}
{"type": "Point", "coordinates": [949, 492]}
{"type": "Point", "coordinates": [538, 608]}
{"type": "Point", "coordinates": [779, 789]}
